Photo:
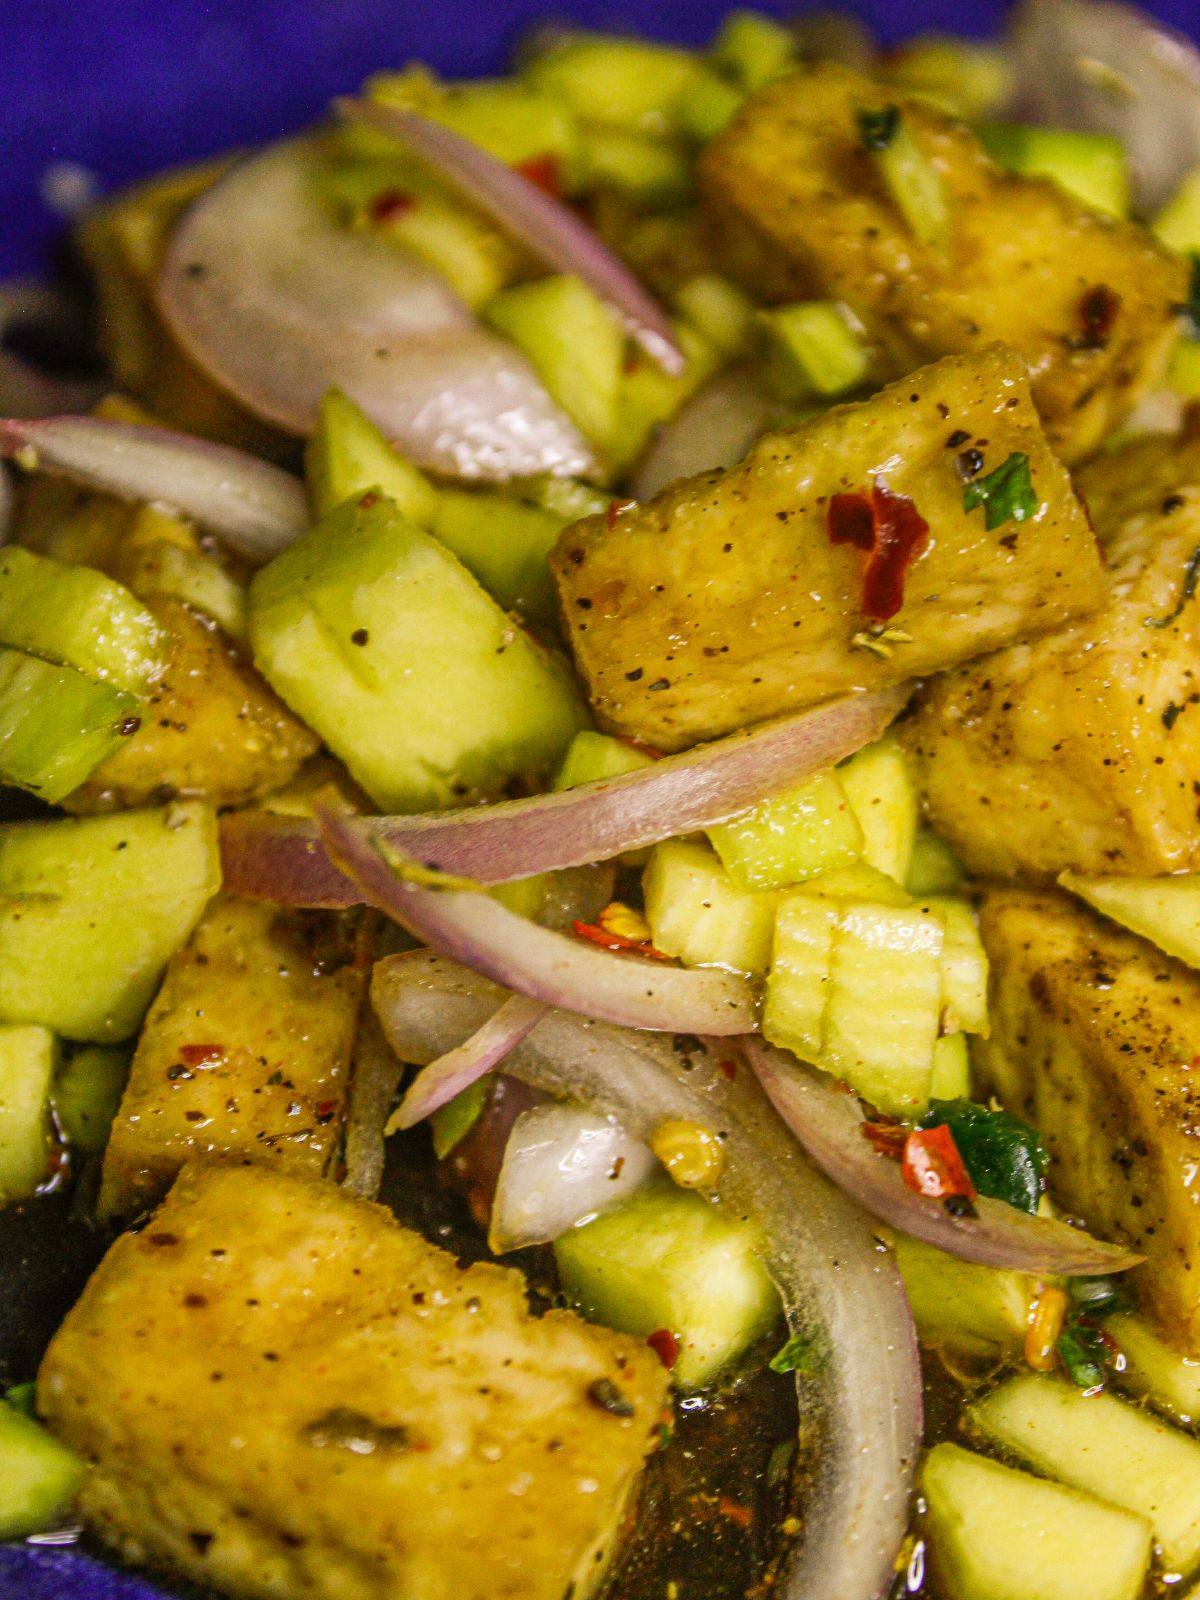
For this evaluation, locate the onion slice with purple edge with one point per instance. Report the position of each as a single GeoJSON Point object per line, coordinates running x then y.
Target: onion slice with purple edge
{"type": "Point", "coordinates": [277, 303]}
{"type": "Point", "coordinates": [1110, 68]}
{"type": "Point", "coordinates": [562, 1166]}
{"type": "Point", "coordinates": [840, 1288]}
{"type": "Point", "coordinates": [827, 1120]}
{"type": "Point", "coordinates": [270, 857]}
{"type": "Point", "coordinates": [714, 428]}
{"type": "Point", "coordinates": [459, 1068]}
{"type": "Point", "coordinates": [546, 226]}
{"type": "Point", "coordinates": [255, 507]}
{"type": "Point", "coordinates": [554, 968]}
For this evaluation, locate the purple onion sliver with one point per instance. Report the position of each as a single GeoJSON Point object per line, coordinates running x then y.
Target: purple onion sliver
{"type": "Point", "coordinates": [459, 1068]}
{"type": "Point", "coordinates": [827, 1120]}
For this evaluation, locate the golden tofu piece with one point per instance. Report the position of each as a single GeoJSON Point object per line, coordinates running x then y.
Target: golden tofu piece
{"type": "Point", "coordinates": [1137, 479]}
{"type": "Point", "coordinates": [282, 1392]}
{"type": "Point", "coordinates": [1082, 749]}
{"type": "Point", "coordinates": [211, 727]}
{"type": "Point", "coordinates": [724, 600]}
{"type": "Point", "coordinates": [246, 1048]}
{"type": "Point", "coordinates": [800, 210]}
{"type": "Point", "coordinates": [1094, 1040]}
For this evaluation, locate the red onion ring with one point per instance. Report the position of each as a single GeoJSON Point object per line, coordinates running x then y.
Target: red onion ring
{"type": "Point", "coordinates": [253, 506]}
{"type": "Point", "coordinates": [280, 858]}
{"type": "Point", "coordinates": [827, 1121]}
{"type": "Point", "coordinates": [459, 1068]}
{"type": "Point", "coordinates": [544, 965]}
{"type": "Point", "coordinates": [839, 1286]}
{"type": "Point", "coordinates": [543, 224]}
{"type": "Point", "coordinates": [714, 428]}
{"type": "Point", "coordinates": [277, 303]}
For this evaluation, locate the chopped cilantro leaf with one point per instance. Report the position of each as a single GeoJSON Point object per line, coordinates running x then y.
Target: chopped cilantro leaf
{"type": "Point", "coordinates": [1086, 1354]}
{"type": "Point", "coordinates": [1191, 576]}
{"type": "Point", "coordinates": [1098, 1297]}
{"type": "Point", "coordinates": [1006, 494]}
{"type": "Point", "coordinates": [1004, 1156]}
{"type": "Point", "coordinates": [877, 129]}
{"type": "Point", "coordinates": [21, 1398]}
{"type": "Point", "coordinates": [799, 1354]}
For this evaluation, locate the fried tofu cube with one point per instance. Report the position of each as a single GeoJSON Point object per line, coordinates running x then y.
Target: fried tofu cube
{"type": "Point", "coordinates": [1082, 749]}
{"type": "Point", "coordinates": [246, 1049]}
{"type": "Point", "coordinates": [281, 1391]}
{"type": "Point", "coordinates": [1094, 1038]}
{"type": "Point", "coordinates": [800, 211]}
{"type": "Point", "coordinates": [210, 727]}
{"type": "Point", "coordinates": [727, 598]}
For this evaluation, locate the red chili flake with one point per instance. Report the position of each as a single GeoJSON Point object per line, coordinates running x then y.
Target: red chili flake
{"type": "Point", "coordinates": [665, 1346]}
{"type": "Point", "coordinates": [195, 1055]}
{"type": "Point", "coordinates": [615, 508]}
{"type": "Point", "coordinates": [325, 1109]}
{"type": "Point", "coordinates": [1097, 312]}
{"type": "Point", "coordinates": [595, 934]}
{"type": "Point", "coordinates": [933, 1167]}
{"type": "Point", "coordinates": [741, 1516]}
{"type": "Point", "coordinates": [544, 171]}
{"type": "Point", "coordinates": [729, 1068]}
{"type": "Point", "coordinates": [642, 748]}
{"type": "Point", "coordinates": [887, 1137]}
{"type": "Point", "coordinates": [391, 205]}
{"type": "Point", "coordinates": [890, 529]}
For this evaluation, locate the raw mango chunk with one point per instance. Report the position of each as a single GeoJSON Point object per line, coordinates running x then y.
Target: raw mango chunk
{"type": "Point", "coordinates": [806, 831]}
{"type": "Point", "coordinates": [91, 909]}
{"type": "Point", "coordinates": [28, 1056]}
{"type": "Point", "coordinates": [979, 1312]}
{"type": "Point", "coordinates": [57, 725]}
{"type": "Point", "coordinates": [347, 454]}
{"type": "Point", "coordinates": [1164, 910]}
{"type": "Point", "coordinates": [879, 786]}
{"type": "Point", "coordinates": [38, 1476]}
{"type": "Point", "coordinates": [698, 913]}
{"type": "Point", "coordinates": [384, 643]}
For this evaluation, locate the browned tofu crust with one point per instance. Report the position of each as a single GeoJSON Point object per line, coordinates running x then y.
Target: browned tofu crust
{"type": "Point", "coordinates": [246, 1049]}
{"type": "Point", "coordinates": [211, 726]}
{"type": "Point", "coordinates": [1082, 749]}
{"type": "Point", "coordinates": [1094, 1040]}
{"type": "Point", "coordinates": [282, 1392]}
{"type": "Point", "coordinates": [799, 210]}
{"type": "Point", "coordinates": [724, 600]}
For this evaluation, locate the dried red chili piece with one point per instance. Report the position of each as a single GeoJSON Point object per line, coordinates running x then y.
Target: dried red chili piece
{"type": "Point", "coordinates": [933, 1167]}
{"type": "Point", "coordinates": [890, 529]}
{"type": "Point", "coordinates": [544, 171]}
{"type": "Point", "coordinates": [195, 1055]}
{"type": "Point", "coordinates": [608, 940]}
{"type": "Point", "coordinates": [1097, 312]}
{"type": "Point", "coordinates": [887, 1137]}
{"type": "Point", "coordinates": [391, 205]}
{"type": "Point", "coordinates": [615, 508]}
{"type": "Point", "coordinates": [665, 1346]}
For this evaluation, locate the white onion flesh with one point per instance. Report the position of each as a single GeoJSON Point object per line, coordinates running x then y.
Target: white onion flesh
{"type": "Point", "coordinates": [1107, 67]}
{"type": "Point", "coordinates": [562, 1166]}
{"type": "Point", "coordinates": [714, 428]}
{"type": "Point", "coordinates": [838, 1285]}
{"type": "Point", "coordinates": [255, 507]}
{"type": "Point", "coordinates": [541, 963]}
{"type": "Point", "coordinates": [265, 856]}
{"type": "Point", "coordinates": [278, 303]}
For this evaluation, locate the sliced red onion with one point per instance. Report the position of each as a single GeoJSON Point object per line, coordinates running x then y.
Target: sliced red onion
{"type": "Point", "coordinates": [278, 303]}
{"type": "Point", "coordinates": [714, 428]}
{"type": "Point", "coordinates": [563, 1166]}
{"type": "Point", "coordinates": [840, 1288]}
{"type": "Point", "coordinates": [543, 224]}
{"type": "Point", "coordinates": [255, 507]}
{"type": "Point", "coordinates": [7, 504]}
{"type": "Point", "coordinates": [1107, 67]}
{"type": "Point", "coordinates": [271, 857]}
{"type": "Point", "coordinates": [375, 1073]}
{"type": "Point", "coordinates": [459, 1068]}
{"type": "Point", "coordinates": [538, 962]}
{"type": "Point", "coordinates": [827, 1120]}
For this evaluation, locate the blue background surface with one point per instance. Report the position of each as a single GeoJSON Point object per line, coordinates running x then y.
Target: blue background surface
{"type": "Point", "coordinates": [123, 87]}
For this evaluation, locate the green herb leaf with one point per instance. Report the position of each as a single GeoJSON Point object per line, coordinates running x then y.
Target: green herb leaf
{"type": "Point", "coordinates": [1191, 576]}
{"type": "Point", "coordinates": [453, 1121]}
{"type": "Point", "coordinates": [1006, 494]}
{"type": "Point", "coordinates": [799, 1354]}
{"type": "Point", "coordinates": [21, 1398]}
{"type": "Point", "coordinates": [1098, 1297]}
{"type": "Point", "coordinates": [1004, 1156]}
{"type": "Point", "coordinates": [877, 129]}
{"type": "Point", "coordinates": [1086, 1355]}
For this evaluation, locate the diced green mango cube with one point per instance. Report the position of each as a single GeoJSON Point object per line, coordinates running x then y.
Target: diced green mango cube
{"type": "Point", "coordinates": [796, 835]}
{"type": "Point", "coordinates": [28, 1056]}
{"type": "Point", "coordinates": [697, 913]}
